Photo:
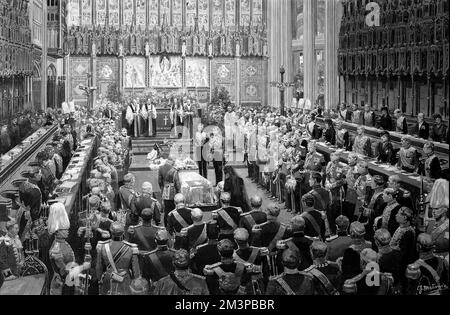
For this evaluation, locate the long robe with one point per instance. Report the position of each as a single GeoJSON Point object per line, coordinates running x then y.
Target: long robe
{"type": "Point", "coordinates": [133, 120]}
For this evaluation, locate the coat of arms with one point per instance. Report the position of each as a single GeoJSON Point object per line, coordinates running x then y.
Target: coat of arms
{"type": "Point", "coordinates": [223, 72]}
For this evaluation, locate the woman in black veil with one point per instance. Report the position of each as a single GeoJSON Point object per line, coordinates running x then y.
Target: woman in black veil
{"type": "Point", "coordinates": [234, 185]}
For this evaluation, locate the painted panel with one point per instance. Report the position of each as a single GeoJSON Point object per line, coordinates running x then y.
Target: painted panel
{"type": "Point", "coordinates": [141, 13]}
{"type": "Point", "coordinates": [252, 80]}
{"type": "Point", "coordinates": [127, 11]}
{"type": "Point", "coordinates": [217, 12]}
{"type": "Point", "coordinates": [245, 13]}
{"type": "Point", "coordinates": [177, 14]}
{"type": "Point", "coordinates": [134, 72]}
{"type": "Point", "coordinates": [257, 13]}
{"type": "Point", "coordinates": [114, 13]}
{"type": "Point", "coordinates": [86, 11]}
{"type": "Point", "coordinates": [224, 75]}
{"type": "Point", "coordinates": [203, 14]}
{"type": "Point", "coordinates": [230, 13]}
{"type": "Point", "coordinates": [79, 69]}
{"type": "Point", "coordinates": [101, 12]}
{"type": "Point", "coordinates": [197, 74]}
{"type": "Point", "coordinates": [74, 13]}
{"type": "Point", "coordinates": [165, 72]}
{"type": "Point", "coordinates": [153, 13]}
{"type": "Point", "coordinates": [191, 13]}
{"type": "Point", "coordinates": [107, 70]}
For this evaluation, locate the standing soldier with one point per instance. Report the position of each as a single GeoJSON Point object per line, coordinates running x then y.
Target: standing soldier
{"type": "Point", "coordinates": [408, 159]}
{"type": "Point", "coordinates": [299, 241]}
{"type": "Point", "coordinates": [350, 193]}
{"type": "Point", "coordinates": [206, 254]}
{"type": "Point", "coordinates": [158, 263]}
{"type": "Point", "coordinates": [342, 137]}
{"type": "Point", "coordinates": [194, 234]}
{"type": "Point", "coordinates": [314, 163]}
{"type": "Point", "coordinates": [438, 227]}
{"type": "Point", "coordinates": [127, 195]}
{"type": "Point", "coordinates": [143, 201]}
{"type": "Point", "coordinates": [369, 117]}
{"type": "Point", "coordinates": [255, 216]}
{"type": "Point", "coordinates": [247, 254]}
{"type": "Point", "coordinates": [291, 281]}
{"type": "Point", "coordinates": [326, 274]}
{"type": "Point", "coordinates": [169, 183]}
{"type": "Point", "coordinates": [430, 166]}
{"type": "Point", "coordinates": [227, 265]}
{"type": "Point", "coordinates": [338, 243]}
{"type": "Point", "coordinates": [315, 226]}
{"type": "Point", "coordinates": [360, 284]}
{"type": "Point", "coordinates": [144, 235]}
{"type": "Point", "coordinates": [117, 263]}
{"type": "Point", "coordinates": [181, 281]}
{"type": "Point", "coordinates": [227, 217]}
{"type": "Point", "coordinates": [362, 186]}
{"type": "Point", "coordinates": [178, 219]}
{"type": "Point", "coordinates": [335, 180]}
{"type": "Point", "coordinates": [268, 234]}
{"type": "Point", "coordinates": [362, 144]}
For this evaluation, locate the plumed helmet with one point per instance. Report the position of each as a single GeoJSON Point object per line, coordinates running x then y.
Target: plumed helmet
{"type": "Point", "coordinates": [225, 197]}
{"type": "Point", "coordinates": [162, 235]}
{"type": "Point", "coordinates": [241, 235]}
{"type": "Point", "coordinates": [425, 242]}
{"type": "Point", "coordinates": [383, 237]}
{"type": "Point", "coordinates": [291, 258]}
{"type": "Point", "coordinates": [225, 248]}
{"type": "Point", "coordinates": [57, 218]}
{"type": "Point", "coordinates": [181, 259]}
{"type": "Point", "coordinates": [273, 210]}
{"type": "Point", "coordinates": [117, 229]}
{"type": "Point", "coordinates": [256, 201]}
{"type": "Point", "coordinates": [229, 283]}
{"type": "Point", "coordinates": [413, 271]}
{"type": "Point", "coordinates": [357, 230]}
{"type": "Point", "coordinates": [439, 194]}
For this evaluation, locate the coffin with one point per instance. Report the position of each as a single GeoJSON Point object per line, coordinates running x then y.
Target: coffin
{"type": "Point", "coordinates": [197, 190]}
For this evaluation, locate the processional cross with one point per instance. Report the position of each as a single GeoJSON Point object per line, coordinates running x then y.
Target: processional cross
{"type": "Point", "coordinates": [282, 86]}
{"type": "Point", "coordinates": [89, 89]}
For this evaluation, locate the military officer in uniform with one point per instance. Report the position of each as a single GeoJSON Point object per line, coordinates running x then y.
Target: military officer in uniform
{"type": "Point", "coordinates": [255, 216]}
{"type": "Point", "coordinates": [363, 186]}
{"type": "Point", "coordinates": [350, 193]}
{"type": "Point", "coordinates": [337, 244]}
{"type": "Point", "coordinates": [227, 217]}
{"type": "Point", "coordinates": [127, 194]}
{"type": "Point", "coordinates": [342, 137]}
{"type": "Point", "coordinates": [194, 234]}
{"type": "Point", "coordinates": [438, 229]}
{"type": "Point", "coordinates": [314, 163]}
{"type": "Point", "coordinates": [326, 274]}
{"type": "Point", "coordinates": [145, 201]}
{"type": "Point", "coordinates": [61, 253]}
{"type": "Point", "coordinates": [432, 271]}
{"type": "Point", "coordinates": [335, 181]}
{"type": "Point", "coordinates": [178, 219]}
{"type": "Point", "coordinates": [369, 116]}
{"type": "Point", "coordinates": [206, 254]}
{"type": "Point", "coordinates": [408, 159]}
{"type": "Point", "coordinates": [299, 241]}
{"type": "Point", "coordinates": [117, 263]}
{"type": "Point", "coordinates": [227, 265]}
{"type": "Point", "coordinates": [322, 196]}
{"type": "Point", "coordinates": [360, 284]}
{"type": "Point", "coordinates": [143, 235]}
{"type": "Point", "coordinates": [315, 221]}
{"type": "Point", "coordinates": [181, 281]}
{"type": "Point", "coordinates": [169, 182]}
{"type": "Point", "coordinates": [362, 144]}
{"type": "Point", "coordinates": [430, 166]}
{"type": "Point", "coordinates": [158, 263]}
{"type": "Point", "coordinates": [247, 254]}
{"type": "Point", "coordinates": [268, 234]}
{"type": "Point", "coordinates": [291, 281]}
{"type": "Point", "coordinates": [350, 261]}
{"type": "Point", "coordinates": [389, 259]}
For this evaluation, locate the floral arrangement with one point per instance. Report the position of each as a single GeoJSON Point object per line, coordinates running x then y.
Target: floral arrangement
{"type": "Point", "coordinates": [216, 109]}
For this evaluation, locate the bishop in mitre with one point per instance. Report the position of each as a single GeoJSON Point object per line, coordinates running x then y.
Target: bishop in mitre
{"type": "Point", "coordinates": [132, 118]}
{"type": "Point", "coordinates": [149, 115]}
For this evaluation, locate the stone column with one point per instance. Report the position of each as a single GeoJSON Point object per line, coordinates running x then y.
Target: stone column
{"type": "Point", "coordinates": [309, 55]}
{"type": "Point", "coordinates": [44, 57]}
{"type": "Point", "coordinates": [280, 48]}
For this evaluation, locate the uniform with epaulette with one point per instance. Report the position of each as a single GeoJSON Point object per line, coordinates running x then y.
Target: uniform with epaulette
{"type": "Point", "coordinates": [337, 244]}
{"type": "Point", "coordinates": [408, 159]}
{"type": "Point", "coordinates": [145, 201]}
{"type": "Point", "coordinates": [327, 277]}
{"type": "Point", "coordinates": [194, 235]}
{"type": "Point", "coordinates": [203, 255]}
{"type": "Point", "coordinates": [302, 244]}
{"type": "Point", "coordinates": [181, 281]}
{"type": "Point", "coordinates": [227, 218]}
{"type": "Point", "coordinates": [143, 235]}
{"type": "Point", "coordinates": [314, 162]}
{"type": "Point", "coordinates": [439, 234]}
{"type": "Point", "coordinates": [291, 281]}
{"type": "Point", "coordinates": [358, 285]}
{"type": "Point", "coordinates": [117, 263]}
{"type": "Point", "coordinates": [250, 219]}
{"type": "Point", "coordinates": [177, 220]}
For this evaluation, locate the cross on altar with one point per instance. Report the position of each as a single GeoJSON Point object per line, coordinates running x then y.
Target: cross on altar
{"type": "Point", "coordinates": [282, 86]}
{"type": "Point", "coordinates": [165, 120]}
